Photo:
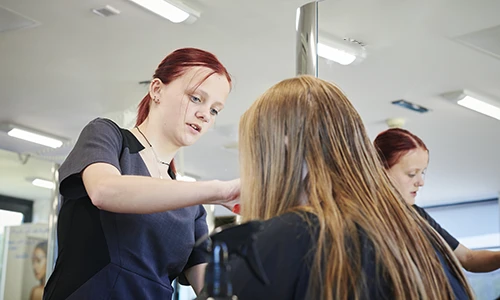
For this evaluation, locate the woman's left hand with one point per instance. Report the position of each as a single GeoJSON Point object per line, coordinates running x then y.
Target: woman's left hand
{"type": "Point", "coordinates": [230, 195]}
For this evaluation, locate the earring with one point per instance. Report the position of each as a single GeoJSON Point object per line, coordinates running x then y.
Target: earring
{"type": "Point", "coordinates": [156, 100]}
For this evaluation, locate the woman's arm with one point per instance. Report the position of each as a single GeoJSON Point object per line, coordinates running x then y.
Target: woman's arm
{"type": "Point", "coordinates": [471, 260]}
{"type": "Point", "coordinates": [111, 191]}
{"type": "Point", "coordinates": [478, 260]}
{"type": "Point", "coordinates": [196, 277]}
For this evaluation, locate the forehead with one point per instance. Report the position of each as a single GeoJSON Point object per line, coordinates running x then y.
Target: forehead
{"type": "Point", "coordinates": [215, 86]}
{"type": "Point", "coordinates": [197, 76]}
{"type": "Point", "coordinates": [416, 159]}
{"type": "Point", "coordinates": [39, 252]}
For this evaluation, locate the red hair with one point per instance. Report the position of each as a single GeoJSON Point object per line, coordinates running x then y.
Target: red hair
{"type": "Point", "coordinates": [175, 65]}
{"type": "Point", "coordinates": [393, 143]}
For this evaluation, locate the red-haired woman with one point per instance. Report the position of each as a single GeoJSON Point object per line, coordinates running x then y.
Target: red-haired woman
{"type": "Point", "coordinates": [126, 228]}
{"type": "Point", "coordinates": [405, 157]}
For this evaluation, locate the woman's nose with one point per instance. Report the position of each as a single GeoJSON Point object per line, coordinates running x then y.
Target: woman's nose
{"type": "Point", "coordinates": [420, 181]}
{"type": "Point", "coordinates": [203, 115]}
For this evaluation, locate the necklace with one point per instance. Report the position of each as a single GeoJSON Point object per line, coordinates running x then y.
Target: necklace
{"type": "Point", "coordinates": [154, 153]}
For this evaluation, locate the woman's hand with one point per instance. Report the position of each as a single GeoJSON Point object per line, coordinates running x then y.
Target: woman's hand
{"type": "Point", "coordinates": [230, 194]}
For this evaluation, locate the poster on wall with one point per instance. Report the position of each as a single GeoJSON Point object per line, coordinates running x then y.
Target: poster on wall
{"type": "Point", "coordinates": [25, 262]}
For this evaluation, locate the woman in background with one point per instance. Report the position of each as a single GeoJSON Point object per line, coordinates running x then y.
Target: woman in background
{"type": "Point", "coordinates": [39, 263]}
{"type": "Point", "coordinates": [406, 157]}
{"type": "Point", "coordinates": [309, 171]}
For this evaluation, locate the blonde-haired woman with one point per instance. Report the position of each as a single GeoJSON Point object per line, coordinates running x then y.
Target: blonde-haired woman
{"type": "Point", "coordinates": [335, 226]}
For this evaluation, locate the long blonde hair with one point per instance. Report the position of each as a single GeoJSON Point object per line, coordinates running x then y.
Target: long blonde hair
{"type": "Point", "coordinates": [308, 121]}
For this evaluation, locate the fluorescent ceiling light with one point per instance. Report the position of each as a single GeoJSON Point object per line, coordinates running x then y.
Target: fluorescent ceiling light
{"type": "Point", "coordinates": [33, 137]}
{"type": "Point", "coordinates": [342, 51]}
{"type": "Point", "coordinates": [336, 55]}
{"type": "Point", "coordinates": [480, 107]}
{"type": "Point", "coordinates": [467, 99]}
{"type": "Point", "coordinates": [172, 11]}
{"type": "Point", "coordinates": [43, 183]}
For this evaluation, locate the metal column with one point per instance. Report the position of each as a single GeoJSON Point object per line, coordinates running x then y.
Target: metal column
{"type": "Point", "coordinates": [307, 40]}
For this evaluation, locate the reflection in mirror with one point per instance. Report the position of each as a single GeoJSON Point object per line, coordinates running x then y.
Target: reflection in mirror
{"type": "Point", "coordinates": [16, 181]}
{"type": "Point", "coordinates": [26, 191]}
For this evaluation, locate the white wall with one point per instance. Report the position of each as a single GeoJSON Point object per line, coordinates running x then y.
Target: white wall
{"type": "Point", "coordinates": [41, 210]}
{"type": "Point", "coordinates": [476, 225]}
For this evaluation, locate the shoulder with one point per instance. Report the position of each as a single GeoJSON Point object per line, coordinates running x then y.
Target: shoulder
{"type": "Point", "coordinates": [37, 292]}
{"type": "Point", "coordinates": [289, 228]}
{"type": "Point", "coordinates": [100, 141]}
{"type": "Point", "coordinates": [101, 131]}
{"type": "Point", "coordinates": [451, 240]}
{"type": "Point", "coordinates": [427, 217]}
{"type": "Point", "coordinates": [102, 124]}
{"type": "Point", "coordinates": [422, 212]}
{"type": "Point", "coordinates": [283, 246]}
{"type": "Point", "coordinates": [418, 209]}
{"type": "Point", "coordinates": [291, 219]}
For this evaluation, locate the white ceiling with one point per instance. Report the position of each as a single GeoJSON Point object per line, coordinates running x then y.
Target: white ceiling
{"type": "Point", "coordinates": [74, 66]}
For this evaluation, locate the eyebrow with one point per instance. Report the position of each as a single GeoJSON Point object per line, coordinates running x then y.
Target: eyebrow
{"type": "Point", "coordinates": [205, 95]}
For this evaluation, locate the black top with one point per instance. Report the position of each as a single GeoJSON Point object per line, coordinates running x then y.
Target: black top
{"type": "Point", "coordinates": [450, 240]}
{"type": "Point", "coordinates": [286, 248]}
{"type": "Point", "coordinates": [105, 255]}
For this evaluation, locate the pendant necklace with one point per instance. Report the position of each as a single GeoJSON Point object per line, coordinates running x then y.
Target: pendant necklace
{"type": "Point", "coordinates": [154, 153]}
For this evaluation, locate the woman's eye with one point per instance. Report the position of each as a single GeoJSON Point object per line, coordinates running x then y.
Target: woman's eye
{"type": "Point", "coordinates": [214, 112]}
{"type": "Point", "coordinates": [411, 175]}
{"type": "Point", "coordinates": [195, 99]}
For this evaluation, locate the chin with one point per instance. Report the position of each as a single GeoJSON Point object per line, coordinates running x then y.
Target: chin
{"type": "Point", "coordinates": [410, 201]}
{"type": "Point", "coordinates": [189, 142]}
{"type": "Point", "coordinates": [185, 141]}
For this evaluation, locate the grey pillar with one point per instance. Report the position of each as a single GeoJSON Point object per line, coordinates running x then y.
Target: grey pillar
{"type": "Point", "coordinates": [307, 40]}
{"type": "Point", "coordinates": [54, 210]}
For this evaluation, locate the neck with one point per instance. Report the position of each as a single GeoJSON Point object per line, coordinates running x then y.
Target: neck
{"type": "Point", "coordinates": [162, 147]}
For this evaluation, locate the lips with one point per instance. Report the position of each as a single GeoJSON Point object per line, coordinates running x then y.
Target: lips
{"type": "Point", "coordinates": [195, 126]}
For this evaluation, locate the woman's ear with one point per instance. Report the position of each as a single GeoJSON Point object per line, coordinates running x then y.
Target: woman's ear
{"type": "Point", "coordinates": [155, 89]}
